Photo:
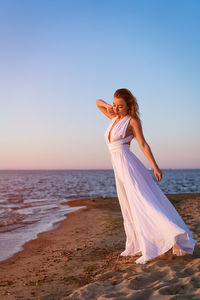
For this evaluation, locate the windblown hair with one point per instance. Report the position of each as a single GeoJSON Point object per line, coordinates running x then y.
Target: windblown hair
{"type": "Point", "coordinates": [131, 101]}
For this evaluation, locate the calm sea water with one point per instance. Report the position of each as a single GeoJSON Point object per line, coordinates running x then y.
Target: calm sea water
{"type": "Point", "coordinates": [31, 200]}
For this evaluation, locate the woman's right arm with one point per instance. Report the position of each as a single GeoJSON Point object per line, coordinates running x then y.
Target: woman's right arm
{"type": "Point", "coordinates": [105, 108]}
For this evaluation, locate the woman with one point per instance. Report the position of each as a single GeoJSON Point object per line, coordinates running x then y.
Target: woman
{"type": "Point", "coordinates": [152, 225]}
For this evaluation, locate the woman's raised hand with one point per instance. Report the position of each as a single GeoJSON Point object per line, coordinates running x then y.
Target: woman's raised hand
{"type": "Point", "coordinates": [110, 109]}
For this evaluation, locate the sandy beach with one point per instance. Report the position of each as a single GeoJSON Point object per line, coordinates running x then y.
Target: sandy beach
{"type": "Point", "coordinates": [81, 259]}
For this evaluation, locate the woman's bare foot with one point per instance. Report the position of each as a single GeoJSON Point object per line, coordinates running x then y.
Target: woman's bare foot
{"type": "Point", "coordinates": [167, 255]}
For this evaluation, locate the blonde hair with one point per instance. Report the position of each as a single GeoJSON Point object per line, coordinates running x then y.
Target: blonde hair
{"type": "Point", "coordinates": [131, 101]}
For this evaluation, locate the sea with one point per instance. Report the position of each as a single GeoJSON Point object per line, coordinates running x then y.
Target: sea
{"type": "Point", "coordinates": [31, 200]}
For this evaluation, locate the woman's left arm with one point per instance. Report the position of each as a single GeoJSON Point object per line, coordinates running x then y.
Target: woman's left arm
{"type": "Point", "coordinates": [137, 129]}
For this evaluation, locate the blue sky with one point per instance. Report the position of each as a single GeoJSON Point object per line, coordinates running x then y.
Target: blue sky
{"type": "Point", "coordinates": [58, 57]}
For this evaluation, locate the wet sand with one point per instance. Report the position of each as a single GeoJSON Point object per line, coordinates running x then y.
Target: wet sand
{"type": "Point", "coordinates": [81, 259]}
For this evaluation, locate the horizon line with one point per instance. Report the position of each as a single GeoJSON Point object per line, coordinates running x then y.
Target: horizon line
{"type": "Point", "coordinates": [84, 169]}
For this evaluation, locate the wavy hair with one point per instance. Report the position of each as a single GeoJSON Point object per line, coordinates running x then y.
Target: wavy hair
{"type": "Point", "coordinates": [131, 101]}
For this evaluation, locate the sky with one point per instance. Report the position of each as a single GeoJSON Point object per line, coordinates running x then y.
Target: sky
{"type": "Point", "coordinates": [58, 57]}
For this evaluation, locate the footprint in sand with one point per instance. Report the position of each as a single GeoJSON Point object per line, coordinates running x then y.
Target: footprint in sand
{"type": "Point", "coordinates": [173, 289]}
{"type": "Point", "coordinates": [144, 281]}
{"type": "Point", "coordinates": [188, 271]}
{"type": "Point", "coordinates": [195, 281]}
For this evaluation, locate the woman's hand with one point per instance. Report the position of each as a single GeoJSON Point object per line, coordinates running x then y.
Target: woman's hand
{"type": "Point", "coordinates": [158, 173]}
{"type": "Point", "coordinates": [110, 109]}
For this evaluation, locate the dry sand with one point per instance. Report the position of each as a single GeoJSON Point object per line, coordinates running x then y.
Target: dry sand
{"type": "Point", "coordinates": [81, 259]}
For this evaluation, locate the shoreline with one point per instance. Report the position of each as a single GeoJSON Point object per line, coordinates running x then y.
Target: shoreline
{"type": "Point", "coordinates": [34, 235]}
{"type": "Point", "coordinates": [84, 250]}
{"type": "Point", "coordinates": [76, 203]}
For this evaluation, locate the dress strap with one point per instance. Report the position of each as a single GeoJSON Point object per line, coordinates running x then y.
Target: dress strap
{"type": "Point", "coordinates": [125, 126]}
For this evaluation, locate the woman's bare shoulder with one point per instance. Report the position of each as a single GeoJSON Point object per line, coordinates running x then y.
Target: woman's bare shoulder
{"type": "Point", "coordinates": [135, 122]}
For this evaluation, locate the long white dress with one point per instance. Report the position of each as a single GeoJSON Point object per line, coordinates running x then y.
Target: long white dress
{"type": "Point", "coordinates": [152, 224]}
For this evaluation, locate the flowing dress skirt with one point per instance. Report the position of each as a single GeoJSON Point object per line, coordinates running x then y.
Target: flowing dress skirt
{"type": "Point", "coordinates": [152, 224]}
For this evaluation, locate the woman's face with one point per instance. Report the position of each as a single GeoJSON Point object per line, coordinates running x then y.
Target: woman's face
{"type": "Point", "coordinates": [120, 107]}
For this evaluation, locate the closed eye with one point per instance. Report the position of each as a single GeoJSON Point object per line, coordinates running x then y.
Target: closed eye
{"type": "Point", "coordinates": [119, 106]}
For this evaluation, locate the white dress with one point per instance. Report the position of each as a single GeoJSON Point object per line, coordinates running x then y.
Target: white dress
{"type": "Point", "coordinates": [152, 224]}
